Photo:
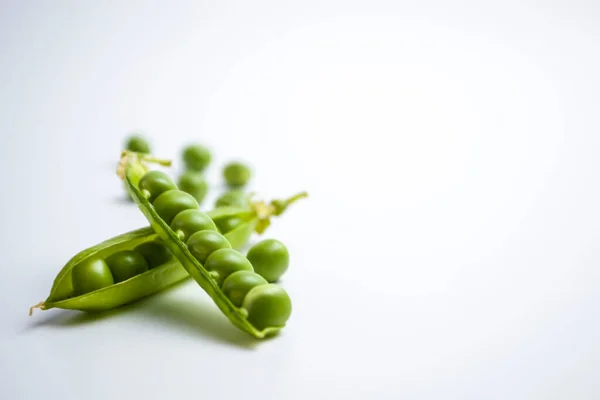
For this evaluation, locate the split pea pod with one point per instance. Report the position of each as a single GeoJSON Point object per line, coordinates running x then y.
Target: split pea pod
{"type": "Point", "coordinates": [261, 309]}
{"type": "Point", "coordinates": [114, 272]}
{"type": "Point", "coordinates": [84, 284]}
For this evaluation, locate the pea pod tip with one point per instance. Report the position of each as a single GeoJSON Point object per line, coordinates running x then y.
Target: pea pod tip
{"type": "Point", "coordinates": [40, 305]}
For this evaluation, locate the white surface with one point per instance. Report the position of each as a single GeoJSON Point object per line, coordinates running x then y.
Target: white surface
{"type": "Point", "coordinates": [449, 249]}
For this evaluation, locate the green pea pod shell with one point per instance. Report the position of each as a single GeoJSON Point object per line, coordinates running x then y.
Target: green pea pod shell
{"type": "Point", "coordinates": [135, 288]}
{"type": "Point", "coordinates": [237, 316]}
{"type": "Point", "coordinates": [118, 294]}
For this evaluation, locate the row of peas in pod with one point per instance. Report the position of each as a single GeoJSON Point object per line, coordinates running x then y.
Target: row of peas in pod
{"type": "Point", "coordinates": [114, 272]}
{"type": "Point", "coordinates": [266, 304]}
{"type": "Point", "coordinates": [195, 159]}
{"type": "Point", "coordinates": [95, 273]}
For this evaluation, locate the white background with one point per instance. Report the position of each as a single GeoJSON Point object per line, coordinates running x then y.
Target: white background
{"type": "Point", "coordinates": [449, 248]}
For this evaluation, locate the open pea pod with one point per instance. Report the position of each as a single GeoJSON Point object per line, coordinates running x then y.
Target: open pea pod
{"type": "Point", "coordinates": [160, 277]}
{"type": "Point", "coordinates": [63, 294]}
{"type": "Point", "coordinates": [255, 217]}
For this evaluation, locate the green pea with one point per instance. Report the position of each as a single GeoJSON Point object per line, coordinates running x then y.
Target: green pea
{"type": "Point", "coordinates": [193, 183]}
{"type": "Point", "coordinates": [172, 202]}
{"type": "Point", "coordinates": [225, 262]}
{"type": "Point", "coordinates": [238, 284]}
{"type": "Point", "coordinates": [155, 253]}
{"type": "Point", "coordinates": [196, 157]}
{"type": "Point", "coordinates": [126, 264]}
{"type": "Point", "coordinates": [236, 174]}
{"type": "Point", "coordinates": [90, 275]}
{"type": "Point", "coordinates": [268, 306]}
{"type": "Point", "coordinates": [270, 259]}
{"type": "Point", "coordinates": [156, 182]}
{"type": "Point", "coordinates": [228, 224]}
{"type": "Point", "coordinates": [137, 143]}
{"type": "Point", "coordinates": [234, 198]}
{"type": "Point", "coordinates": [203, 243]}
{"type": "Point", "coordinates": [189, 221]}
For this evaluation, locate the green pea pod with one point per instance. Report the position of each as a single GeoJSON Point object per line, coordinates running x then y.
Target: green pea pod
{"type": "Point", "coordinates": [62, 293]}
{"type": "Point", "coordinates": [142, 285]}
{"type": "Point", "coordinates": [257, 215]}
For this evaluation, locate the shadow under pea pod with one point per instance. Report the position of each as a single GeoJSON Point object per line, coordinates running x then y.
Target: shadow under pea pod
{"type": "Point", "coordinates": [168, 309]}
{"type": "Point", "coordinates": [185, 315]}
{"type": "Point", "coordinates": [72, 318]}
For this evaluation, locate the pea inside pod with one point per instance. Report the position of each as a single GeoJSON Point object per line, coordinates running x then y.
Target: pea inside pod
{"type": "Point", "coordinates": [155, 253]}
{"type": "Point", "coordinates": [224, 262]}
{"type": "Point", "coordinates": [172, 202]}
{"type": "Point", "coordinates": [91, 274]}
{"type": "Point", "coordinates": [188, 222]}
{"type": "Point", "coordinates": [155, 183]}
{"type": "Point", "coordinates": [202, 244]}
{"type": "Point", "coordinates": [239, 283]}
{"type": "Point", "coordinates": [126, 264]}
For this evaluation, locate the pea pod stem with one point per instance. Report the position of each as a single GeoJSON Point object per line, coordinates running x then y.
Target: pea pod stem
{"type": "Point", "coordinates": [143, 157]}
{"type": "Point", "coordinates": [265, 211]}
{"type": "Point", "coordinates": [140, 161]}
{"type": "Point", "coordinates": [281, 205]}
{"type": "Point", "coordinates": [41, 304]}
